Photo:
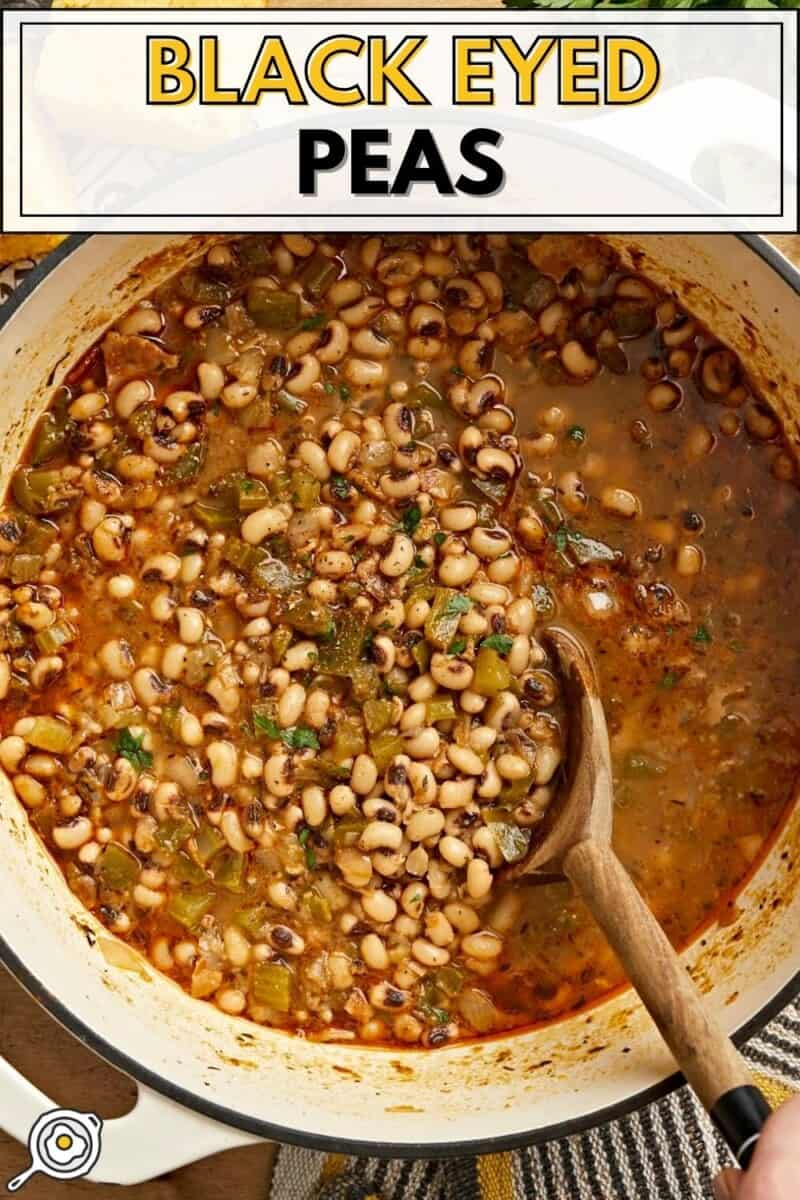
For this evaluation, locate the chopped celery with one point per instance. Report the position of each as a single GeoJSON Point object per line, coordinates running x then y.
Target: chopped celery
{"type": "Point", "coordinates": [51, 639]}
{"type": "Point", "coordinates": [383, 747]}
{"type": "Point", "coordinates": [51, 435]}
{"type": "Point", "coordinates": [318, 273]}
{"type": "Point", "coordinates": [512, 841]}
{"type": "Point", "coordinates": [304, 489]}
{"type": "Point", "coordinates": [271, 308]}
{"type": "Point", "coordinates": [200, 662]}
{"type": "Point", "coordinates": [421, 654]}
{"type": "Point", "coordinates": [440, 708]}
{"type": "Point", "coordinates": [215, 514]}
{"type": "Point", "coordinates": [423, 395]}
{"type": "Point", "coordinates": [348, 829]}
{"type": "Point", "coordinates": [141, 422]}
{"type": "Point", "coordinates": [184, 870]}
{"type": "Point", "coordinates": [491, 673]}
{"type": "Point", "coordinates": [40, 490]}
{"type": "Point", "coordinates": [378, 715]}
{"type": "Point", "coordinates": [189, 907]}
{"type": "Point", "coordinates": [365, 682]}
{"type": "Point", "coordinates": [315, 907]}
{"type": "Point", "coordinates": [343, 653]}
{"type": "Point", "coordinates": [307, 615]}
{"type": "Point", "coordinates": [117, 868]}
{"type": "Point", "coordinates": [228, 870]}
{"type": "Point", "coordinates": [207, 841]}
{"type": "Point", "coordinates": [170, 716]}
{"type": "Point", "coordinates": [281, 640]}
{"type": "Point", "coordinates": [272, 985]}
{"type": "Point", "coordinates": [51, 734]}
{"type": "Point", "coordinates": [449, 980]}
{"type": "Point", "coordinates": [25, 568]}
{"type": "Point", "coordinates": [446, 611]}
{"type": "Point", "coordinates": [349, 739]}
{"type": "Point", "coordinates": [252, 920]}
{"type": "Point", "coordinates": [173, 832]}
{"type": "Point", "coordinates": [257, 415]}
{"type": "Point", "coordinates": [187, 467]}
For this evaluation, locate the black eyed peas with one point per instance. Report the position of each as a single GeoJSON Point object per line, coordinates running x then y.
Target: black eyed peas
{"type": "Point", "coordinates": [273, 578]}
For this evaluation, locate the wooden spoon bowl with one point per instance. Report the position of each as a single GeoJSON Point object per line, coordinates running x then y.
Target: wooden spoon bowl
{"type": "Point", "coordinates": [574, 839]}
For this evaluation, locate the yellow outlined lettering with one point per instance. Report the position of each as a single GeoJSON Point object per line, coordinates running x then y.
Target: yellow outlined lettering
{"type": "Point", "coordinates": [466, 70]}
{"type": "Point", "coordinates": [272, 72]}
{"type": "Point", "coordinates": [168, 59]}
{"type": "Point", "coordinates": [315, 70]}
{"type": "Point", "coordinates": [389, 69]}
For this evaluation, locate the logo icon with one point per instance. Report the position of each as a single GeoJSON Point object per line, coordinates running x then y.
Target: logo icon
{"type": "Point", "coordinates": [63, 1144]}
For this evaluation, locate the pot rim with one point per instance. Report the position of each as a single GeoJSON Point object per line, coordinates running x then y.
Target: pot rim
{"type": "Point", "coordinates": [118, 1058]}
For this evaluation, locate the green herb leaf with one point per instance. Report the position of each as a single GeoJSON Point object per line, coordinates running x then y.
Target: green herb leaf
{"type": "Point", "coordinates": [411, 519]}
{"type": "Point", "coordinates": [702, 635]}
{"type": "Point", "coordinates": [457, 646]}
{"type": "Point", "coordinates": [344, 391]}
{"type": "Point", "coordinates": [315, 322]}
{"type": "Point", "coordinates": [299, 737]}
{"type": "Point", "coordinates": [267, 726]}
{"type": "Point", "coordinates": [668, 681]}
{"type": "Point", "coordinates": [440, 538]}
{"type": "Point", "coordinates": [128, 745]}
{"type": "Point", "coordinates": [303, 839]}
{"type": "Point", "coordinates": [576, 434]}
{"type": "Point", "coordinates": [454, 370]}
{"type": "Point", "coordinates": [560, 538]}
{"type": "Point", "coordinates": [500, 642]}
{"type": "Point", "coordinates": [456, 605]}
{"type": "Point", "coordinates": [340, 488]}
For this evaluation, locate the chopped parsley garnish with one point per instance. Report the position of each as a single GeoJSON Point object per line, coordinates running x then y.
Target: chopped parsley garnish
{"type": "Point", "coordinates": [340, 488]}
{"type": "Point", "coordinates": [411, 519]}
{"type": "Point", "coordinates": [457, 604]}
{"type": "Point", "coordinates": [454, 370]}
{"type": "Point", "coordinates": [576, 434]}
{"type": "Point", "coordinates": [128, 745]}
{"type": "Point", "coordinates": [560, 538]}
{"type": "Point", "coordinates": [299, 737]}
{"type": "Point", "coordinates": [440, 538]}
{"type": "Point", "coordinates": [266, 725]}
{"type": "Point", "coordinates": [668, 681]}
{"type": "Point", "coordinates": [457, 646]}
{"type": "Point", "coordinates": [500, 642]}
{"type": "Point", "coordinates": [315, 322]}
{"type": "Point", "coordinates": [344, 391]}
{"type": "Point", "coordinates": [329, 388]}
{"type": "Point", "coordinates": [419, 562]}
{"type": "Point", "coordinates": [303, 839]}
{"type": "Point", "coordinates": [702, 635]}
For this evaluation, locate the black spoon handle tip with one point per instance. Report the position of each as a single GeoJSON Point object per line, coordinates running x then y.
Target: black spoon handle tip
{"type": "Point", "coordinates": [740, 1115]}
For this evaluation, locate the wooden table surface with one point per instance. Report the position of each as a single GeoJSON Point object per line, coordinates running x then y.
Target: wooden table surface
{"type": "Point", "coordinates": [74, 1077]}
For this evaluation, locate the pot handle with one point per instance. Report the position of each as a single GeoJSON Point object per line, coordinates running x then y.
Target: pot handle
{"type": "Point", "coordinates": [156, 1136]}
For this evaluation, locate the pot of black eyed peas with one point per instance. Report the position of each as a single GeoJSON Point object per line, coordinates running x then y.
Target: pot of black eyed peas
{"type": "Point", "coordinates": [285, 520]}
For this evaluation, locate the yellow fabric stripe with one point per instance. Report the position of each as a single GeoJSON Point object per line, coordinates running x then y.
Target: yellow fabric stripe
{"type": "Point", "coordinates": [496, 1177]}
{"type": "Point", "coordinates": [334, 1165]}
{"type": "Point", "coordinates": [775, 1091]}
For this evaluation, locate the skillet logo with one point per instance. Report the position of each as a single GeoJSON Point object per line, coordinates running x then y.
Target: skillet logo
{"type": "Point", "coordinates": [63, 1144]}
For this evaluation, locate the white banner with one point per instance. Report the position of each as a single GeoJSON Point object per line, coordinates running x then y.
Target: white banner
{"type": "Point", "coordinates": [143, 120]}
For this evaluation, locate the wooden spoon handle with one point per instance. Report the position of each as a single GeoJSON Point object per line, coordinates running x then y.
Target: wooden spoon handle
{"type": "Point", "coordinates": [707, 1057]}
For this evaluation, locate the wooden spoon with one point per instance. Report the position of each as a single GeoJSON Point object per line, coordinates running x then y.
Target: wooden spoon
{"type": "Point", "coordinates": [574, 839]}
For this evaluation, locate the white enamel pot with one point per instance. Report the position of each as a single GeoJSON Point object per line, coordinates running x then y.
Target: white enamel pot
{"type": "Point", "coordinates": [208, 1081]}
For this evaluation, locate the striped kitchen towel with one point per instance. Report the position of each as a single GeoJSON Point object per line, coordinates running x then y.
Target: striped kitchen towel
{"type": "Point", "coordinates": [668, 1151]}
